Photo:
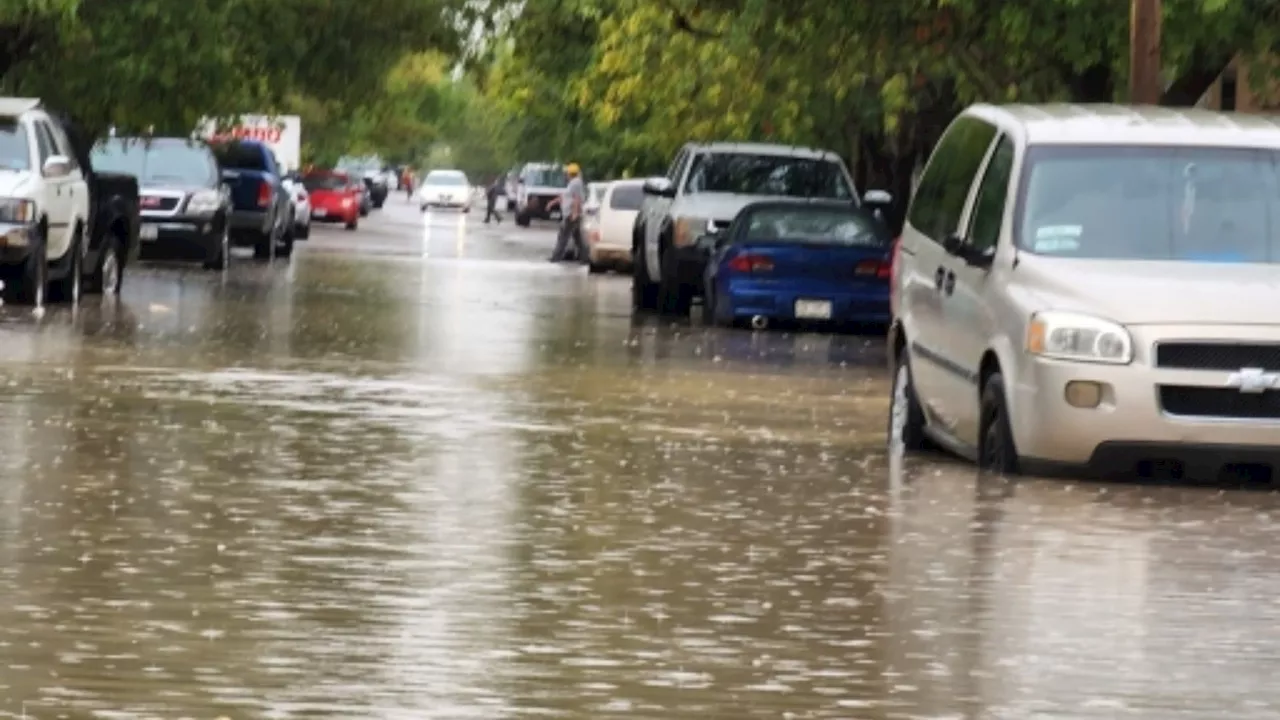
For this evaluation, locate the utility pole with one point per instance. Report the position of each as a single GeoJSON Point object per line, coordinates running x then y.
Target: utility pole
{"type": "Point", "coordinates": [1144, 52]}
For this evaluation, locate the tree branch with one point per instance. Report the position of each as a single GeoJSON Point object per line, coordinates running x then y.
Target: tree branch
{"type": "Point", "coordinates": [681, 23]}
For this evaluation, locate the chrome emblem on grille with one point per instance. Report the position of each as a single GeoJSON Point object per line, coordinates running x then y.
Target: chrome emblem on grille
{"type": "Point", "coordinates": [1253, 380]}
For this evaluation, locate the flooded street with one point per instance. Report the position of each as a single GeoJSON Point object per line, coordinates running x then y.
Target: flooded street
{"type": "Point", "coordinates": [419, 472]}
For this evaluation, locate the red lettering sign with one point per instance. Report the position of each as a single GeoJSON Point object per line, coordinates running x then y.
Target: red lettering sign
{"type": "Point", "coordinates": [270, 135]}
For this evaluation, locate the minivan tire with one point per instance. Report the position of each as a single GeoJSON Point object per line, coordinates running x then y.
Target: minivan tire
{"type": "Point", "coordinates": [674, 299]}
{"type": "Point", "coordinates": [906, 417]}
{"type": "Point", "coordinates": [996, 450]}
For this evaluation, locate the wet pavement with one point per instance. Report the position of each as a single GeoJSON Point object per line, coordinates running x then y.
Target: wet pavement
{"type": "Point", "coordinates": [424, 474]}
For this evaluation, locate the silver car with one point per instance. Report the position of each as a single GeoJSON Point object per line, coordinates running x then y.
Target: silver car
{"type": "Point", "coordinates": [1093, 287]}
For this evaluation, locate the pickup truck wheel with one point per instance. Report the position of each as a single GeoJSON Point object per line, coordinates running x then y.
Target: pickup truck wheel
{"type": "Point", "coordinates": [644, 292]}
{"type": "Point", "coordinates": [109, 273]}
{"type": "Point", "coordinates": [67, 289]}
{"type": "Point", "coordinates": [674, 299]}
{"type": "Point", "coordinates": [29, 286]}
{"type": "Point", "coordinates": [303, 231]}
{"type": "Point", "coordinates": [265, 247]}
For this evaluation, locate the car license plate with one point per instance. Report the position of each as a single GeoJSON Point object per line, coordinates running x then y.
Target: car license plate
{"type": "Point", "coordinates": [148, 233]}
{"type": "Point", "coordinates": [319, 212]}
{"type": "Point", "coordinates": [813, 309]}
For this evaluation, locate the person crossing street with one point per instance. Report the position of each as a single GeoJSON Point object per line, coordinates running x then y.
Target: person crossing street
{"type": "Point", "coordinates": [571, 203]}
{"type": "Point", "coordinates": [491, 200]}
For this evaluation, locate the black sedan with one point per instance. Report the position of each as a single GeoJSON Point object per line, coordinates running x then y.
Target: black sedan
{"type": "Point", "coordinates": [183, 205]}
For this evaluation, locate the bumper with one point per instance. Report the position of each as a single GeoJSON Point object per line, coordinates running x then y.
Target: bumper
{"type": "Point", "coordinates": [179, 234]}
{"type": "Point", "coordinates": [254, 222]}
{"type": "Point", "coordinates": [610, 255]}
{"type": "Point", "coordinates": [778, 301]}
{"type": "Point", "coordinates": [450, 203]}
{"type": "Point", "coordinates": [332, 215]}
{"type": "Point", "coordinates": [1129, 426]}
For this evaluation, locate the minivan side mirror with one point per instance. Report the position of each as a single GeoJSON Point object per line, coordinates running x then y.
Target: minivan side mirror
{"type": "Point", "coordinates": [956, 246]}
{"type": "Point", "coordinates": [57, 166]}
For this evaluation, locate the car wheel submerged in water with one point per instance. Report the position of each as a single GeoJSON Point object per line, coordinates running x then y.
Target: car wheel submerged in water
{"type": "Point", "coordinates": [996, 450]}
{"type": "Point", "coordinates": [906, 418]}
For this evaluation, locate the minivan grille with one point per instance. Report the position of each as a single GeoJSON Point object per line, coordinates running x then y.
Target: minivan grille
{"type": "Point", "coordinates": [1211, 402]}
{"type": "Point", "coordinates": [1223, 356]}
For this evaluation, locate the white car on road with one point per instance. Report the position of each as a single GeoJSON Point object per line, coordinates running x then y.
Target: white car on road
{"type": "Point", "coordinates": [610, 221]}
{"type": "Point", "coordinates": [301, 201]}
{"type": "Point", "coordinates": [445, 188]}
{"type": "Point", "coordinates": [44, 202]}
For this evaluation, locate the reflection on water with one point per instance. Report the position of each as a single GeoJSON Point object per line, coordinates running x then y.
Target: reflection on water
{"type": "Point", "coordinates": [365, 488]}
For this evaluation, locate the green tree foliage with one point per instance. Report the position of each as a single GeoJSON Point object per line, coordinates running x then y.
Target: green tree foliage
{"type": "Point", "coordinates": [620, 84]}
{"type": "Point", "coordinates": [139, 63]}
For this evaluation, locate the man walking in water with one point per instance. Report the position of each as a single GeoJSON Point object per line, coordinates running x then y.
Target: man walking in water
{"type": "Point", "coordinates": [571, 218]}
{"type": "Point", "coordinates": [491, 200]}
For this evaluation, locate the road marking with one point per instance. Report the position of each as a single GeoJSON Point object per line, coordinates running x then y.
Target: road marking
{"type": "Point", "coordinates": [426, 231]}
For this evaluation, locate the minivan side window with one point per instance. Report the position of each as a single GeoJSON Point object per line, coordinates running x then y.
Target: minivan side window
{"type": "Point", "coordinates": [944, 189]}
{"type": "Point", "coordinates": [988, 206]}
{"type": "Point", "coordinates": [672, 173]}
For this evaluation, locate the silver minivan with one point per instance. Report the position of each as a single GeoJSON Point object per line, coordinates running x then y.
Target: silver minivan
{"type": "Point", "coordinates": [1093, 287]}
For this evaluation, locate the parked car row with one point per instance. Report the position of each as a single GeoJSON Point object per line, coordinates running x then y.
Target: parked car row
{"type": "Point", "coordinates": [760, 233]}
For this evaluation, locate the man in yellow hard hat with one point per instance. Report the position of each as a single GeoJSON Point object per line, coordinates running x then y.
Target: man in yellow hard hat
{"type": "Point", "coordinates": [571, 218]}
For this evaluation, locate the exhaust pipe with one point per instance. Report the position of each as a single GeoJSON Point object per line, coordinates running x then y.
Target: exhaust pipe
{"type": "Point", "coordinates": [759, 322]}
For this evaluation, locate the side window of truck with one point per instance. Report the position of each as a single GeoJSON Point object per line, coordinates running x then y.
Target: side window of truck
{"type": "Point", "coordinates": [44, 142]}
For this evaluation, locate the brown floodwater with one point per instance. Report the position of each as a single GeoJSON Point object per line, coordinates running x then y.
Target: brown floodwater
{"type": "Point", "coordinates": [368, 484]}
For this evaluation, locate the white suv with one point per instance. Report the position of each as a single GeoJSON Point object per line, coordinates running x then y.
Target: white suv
{"type": "Point", "coordinates": [1093, 287]}
{"type": "Point", "coordinates": [44, 204]}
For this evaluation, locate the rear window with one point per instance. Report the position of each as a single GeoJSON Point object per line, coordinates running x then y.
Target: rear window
{"type": "Point", "coordinates": [777, 175]}
{"type": "Point", "coordinates": [444, 178]}
{"type": "Point", "coordinates": [810, 226]}
{"type": "Point", "coordinates": [325, 182]}
{"type": "Point", "coordinates": [237, 156]}
{"type": "Point", "coordinates": [546, 177]}
{"type": "Point", "coordinates": [1198, 204]}
{"type": "Point", "coordinates": [626, 197]}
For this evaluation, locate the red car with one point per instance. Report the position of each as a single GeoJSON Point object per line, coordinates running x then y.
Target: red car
{"type": "Point", "coordinates": [333, 198]}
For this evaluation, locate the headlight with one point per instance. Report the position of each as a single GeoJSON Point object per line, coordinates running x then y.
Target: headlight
{"type": "Point", "coordinates": [1083, 338]}
{"type": "Point", "coordinates": [17, 210]}
{"type": "Point", "coordinates": [205, 202]}
{"type": "Point", "coordinates": [688, 230]}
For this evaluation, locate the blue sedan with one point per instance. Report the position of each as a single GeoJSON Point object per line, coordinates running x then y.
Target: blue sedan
{"type": "Point", "coordinates": [807, 262]}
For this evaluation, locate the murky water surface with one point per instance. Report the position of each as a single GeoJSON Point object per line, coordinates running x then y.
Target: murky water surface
{"type": "Point", "coordinates": [471, 487]}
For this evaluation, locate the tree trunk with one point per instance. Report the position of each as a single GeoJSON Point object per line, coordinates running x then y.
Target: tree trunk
{"type": "Point", "coordinates": [1095, 84]}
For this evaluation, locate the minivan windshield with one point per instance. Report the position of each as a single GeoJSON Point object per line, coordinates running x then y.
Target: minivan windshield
{"type": "Point", "coordinates": [1204, 204]}
{"type": "Point", "coordinates": [776, 175]}
{"type": "Point", "coordinates": [813, 226]}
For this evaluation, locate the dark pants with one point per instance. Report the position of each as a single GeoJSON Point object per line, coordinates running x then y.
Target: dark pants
{"type": "Point", "coordinates": [491, 209]}
{"type": "Point", "coordinates": [570, 228]}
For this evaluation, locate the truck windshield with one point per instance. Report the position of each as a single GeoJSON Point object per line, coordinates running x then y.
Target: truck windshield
{"type": "Point", "coordinates": [15, 153]}
{"type": "Point", "coordinates": [158, 162]}
{"type": "Point", "coordinates": [774, 175]}
{"type": "Point", "coordinates": [1196, 204]}
{"type": "Point", "coordinates": [238, 156]}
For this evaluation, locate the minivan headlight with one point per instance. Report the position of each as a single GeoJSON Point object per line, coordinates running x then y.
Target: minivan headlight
{"type": "Point", "coordinates": [1082, 338]}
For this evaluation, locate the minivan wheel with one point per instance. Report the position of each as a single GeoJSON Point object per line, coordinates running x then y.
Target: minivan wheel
{"type": "Point", "coordinates": [906, 419]}
{"type": "Point", "coordinates": [996, 451]}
